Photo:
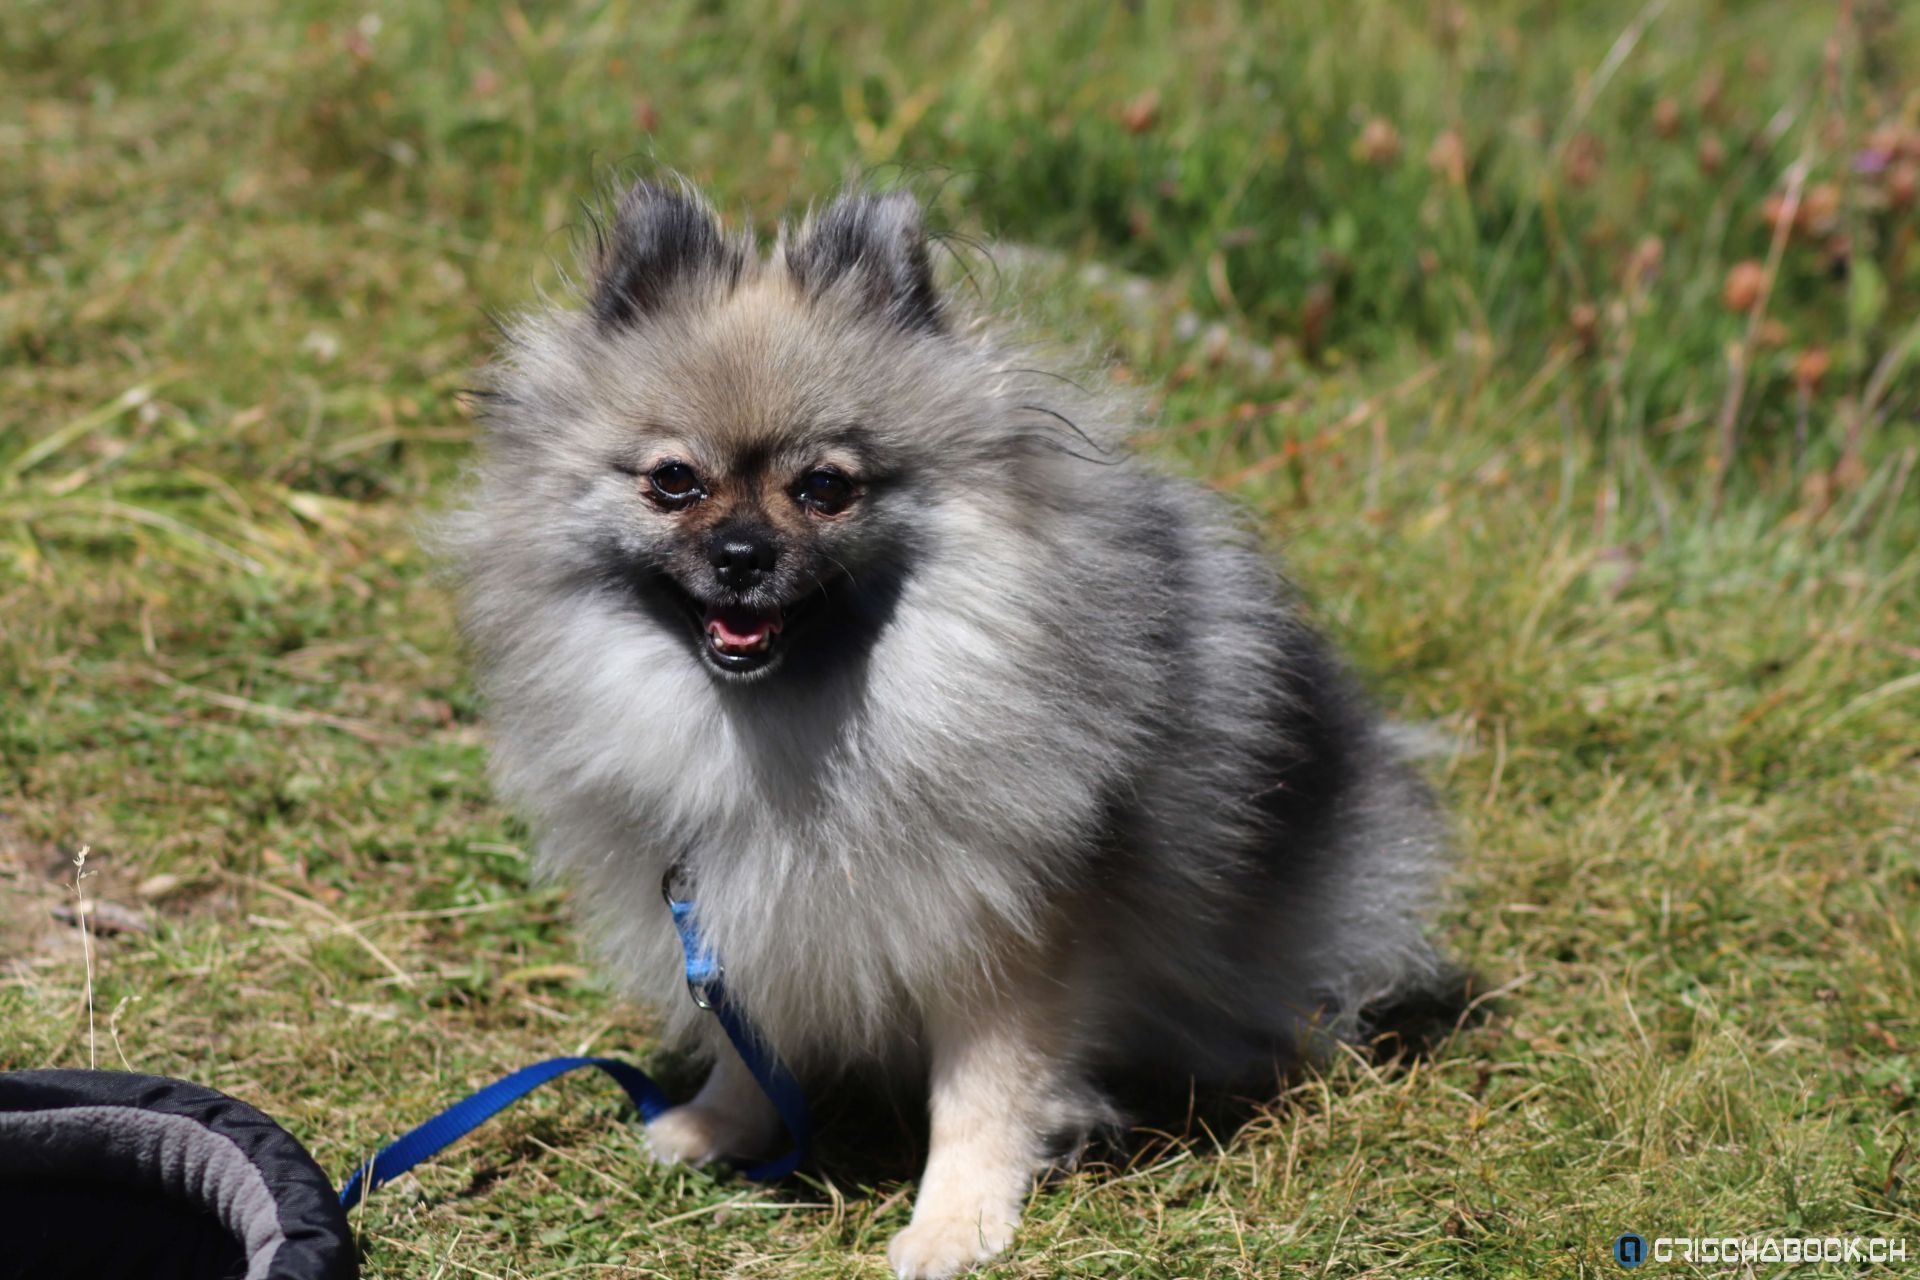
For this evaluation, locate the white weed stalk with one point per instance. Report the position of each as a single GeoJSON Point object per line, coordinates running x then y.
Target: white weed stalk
{"type": "Point", "coordinates": [80, 873]}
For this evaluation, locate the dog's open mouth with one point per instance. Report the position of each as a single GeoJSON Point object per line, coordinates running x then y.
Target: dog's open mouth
{"type": "Point", "coordinates": [736, 639]}
{"type": "Point", "coordinates": [748, 640]}
{"type": "Point", "coordinates": [739, 638]}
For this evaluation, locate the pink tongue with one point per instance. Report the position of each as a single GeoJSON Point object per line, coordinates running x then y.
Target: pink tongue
{"type": "Point", "coordinates": [738, 628]}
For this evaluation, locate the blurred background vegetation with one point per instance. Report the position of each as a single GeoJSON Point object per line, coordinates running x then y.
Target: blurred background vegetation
{"type": "Point", "coordinates": [1569, 348]}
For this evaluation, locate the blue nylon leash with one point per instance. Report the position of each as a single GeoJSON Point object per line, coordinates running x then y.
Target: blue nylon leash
{"type": "Point", "coordinates": [705, 985]}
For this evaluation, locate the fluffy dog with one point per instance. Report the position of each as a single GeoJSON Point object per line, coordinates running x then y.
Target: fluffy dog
{"type": "Point", "coordinates": [987, 749]}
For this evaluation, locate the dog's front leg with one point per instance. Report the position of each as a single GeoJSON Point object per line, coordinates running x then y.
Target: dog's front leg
{"type": "Point", "coordinates": [997, 1087]}
{"type": "Point", "coordinates": [730, 1116]}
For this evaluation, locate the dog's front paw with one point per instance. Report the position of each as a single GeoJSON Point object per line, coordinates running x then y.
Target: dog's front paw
{"type": "Point", "coordinates": [694, 1134]}
{"type": "Point", "coordinates": [935, 1248]}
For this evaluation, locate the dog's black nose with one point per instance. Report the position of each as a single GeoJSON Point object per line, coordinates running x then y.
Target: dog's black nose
{"type": "Point", "coordinates": [741, 560]}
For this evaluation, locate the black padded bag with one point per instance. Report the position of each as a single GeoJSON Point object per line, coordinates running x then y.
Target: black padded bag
{"type": "Point", "coordinates": [116, 1176]}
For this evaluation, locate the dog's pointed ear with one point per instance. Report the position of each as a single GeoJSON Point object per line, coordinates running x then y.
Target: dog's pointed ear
{"type": "Point", "coordinates": [877, 245]}
{"type": "Point", "coordinates": [663, 239]}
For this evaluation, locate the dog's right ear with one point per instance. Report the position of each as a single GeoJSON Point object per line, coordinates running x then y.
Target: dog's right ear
{"type": "Point", "coordinates": [663, 239]}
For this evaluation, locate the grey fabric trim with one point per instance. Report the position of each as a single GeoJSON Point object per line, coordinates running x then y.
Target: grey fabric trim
{"type": "Point", "coordinates": [169, 1153]}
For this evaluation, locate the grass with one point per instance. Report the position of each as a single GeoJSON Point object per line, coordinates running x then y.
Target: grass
{"type": "Point", "coordinates": [1451, 297]}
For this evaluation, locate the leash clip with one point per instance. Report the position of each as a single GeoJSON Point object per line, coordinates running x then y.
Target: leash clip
{"type": "Point", "coordinates": [703, 971]}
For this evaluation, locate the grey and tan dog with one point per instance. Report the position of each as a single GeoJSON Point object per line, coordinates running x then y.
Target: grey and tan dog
{"type": "Point", "coordinates": [988, 750]}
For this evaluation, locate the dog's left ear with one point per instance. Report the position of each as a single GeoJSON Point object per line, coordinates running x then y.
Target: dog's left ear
{"type": "Point", "coordinates": [877, 246]}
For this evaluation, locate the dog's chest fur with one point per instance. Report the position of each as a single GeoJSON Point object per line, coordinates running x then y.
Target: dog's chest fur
{"type": "Point", "coordinates": [853, 846]}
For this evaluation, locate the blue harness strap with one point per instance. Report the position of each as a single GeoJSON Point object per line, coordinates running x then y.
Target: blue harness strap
{"type": "Point", "coordinates": [704, 983]}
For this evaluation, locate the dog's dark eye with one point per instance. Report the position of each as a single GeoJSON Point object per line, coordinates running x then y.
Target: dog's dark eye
{"type": "Point", "coordinates": [825, 490]}
{"type": "Point", "coordinates": [674, 483]}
